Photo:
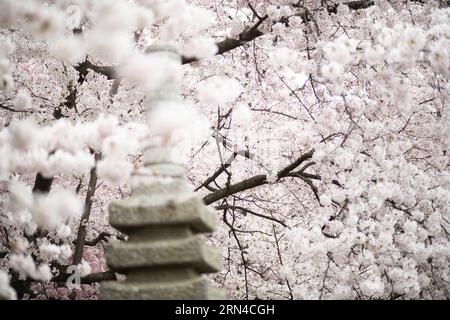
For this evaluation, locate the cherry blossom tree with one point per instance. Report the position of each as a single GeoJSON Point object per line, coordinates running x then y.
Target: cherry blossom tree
{"type": "Point", "coordinates": [318, 130]}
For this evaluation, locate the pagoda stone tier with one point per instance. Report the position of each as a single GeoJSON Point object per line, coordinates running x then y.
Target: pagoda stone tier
{"type": "Point", "coordinates": [165, 254]}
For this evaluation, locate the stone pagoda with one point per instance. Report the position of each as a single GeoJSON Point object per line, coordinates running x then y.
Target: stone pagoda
{"type": "Point", "coordinates": [165, 253]}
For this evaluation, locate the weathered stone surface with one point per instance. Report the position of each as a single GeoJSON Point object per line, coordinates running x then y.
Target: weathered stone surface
{"type": "Point", "coordinates": [166, 169]}
{"type": "Point", "coordinates": [144, 211]}
{"type": "Point", "coordinates": [164, 188]}
{"type": "Point", "coordinates": [165, 49]}
{"type": "Point", "coordinates": [189, 252]}
{"type": "Point", "coordinates": [192, 289]}
{"type": "Point", "coordinates": [153, 156]}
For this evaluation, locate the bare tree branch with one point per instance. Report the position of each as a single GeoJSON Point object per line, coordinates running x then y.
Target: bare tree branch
{"type": "Point", "coordinates": [81, 238]}
{"type": "Point", "coordinates": [102, 236]}
{"type": "Point", "coordinates": [229, 207]}
{"type": "Point", "coordinates": [254, 181]}
{"type": "Point", "coordinates": [241, 249]}
{"type": "Point", "coordinates": [88, 279]}
{"type": "Point", "coordinates": [228, 44]}
{"type": "Point", "coordinates": [9, 108]}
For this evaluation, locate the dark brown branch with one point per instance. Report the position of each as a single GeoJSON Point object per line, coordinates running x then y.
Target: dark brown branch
{"type": "Point", "coordinates": [254, 11]}
{"type": "Point", "coordinates": [228, 44]}
{"type": "Point", "coordinates": [81, 238]}
{"type": "Point", "coordinates": [325, 275]}
{"type": "Point", "coordinates": [71, 99]}
{"type": "Point", "coordinates": [312, 186]}
{"type": "Point", "coordinates": [397, 207]}
{"type": "Point", "coordinates": [102, 236]}
{"type": "Point", "coordinates": [246, 184]}
{"type": "Point", "coordinates": [12, 109]}
{"type": "Point", "coordinates": [84, 67]}
{"type": "Point", "coordinates": [241, 249]}
{"type": "Point", "coordinates": [98, 277]}
{"type": "Point", "coordinates": [353, 5]}
{"type": "Point", "coordinates": [276, 112]}
{"type": "Point", "coordinates": [312, 176]}
{"type": "Point", "coordinates": [280, 259]}
{"type": "Point", "coordinates": [42, 184]}
{"type": "Point", "coordinates": [228, 207]}
{"type": "Point", "coordinates": [295, 164]}
{"type": "Point", "coordinates": [218, 172]}
{"type": "Point", "coordinates": [254, 181]}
